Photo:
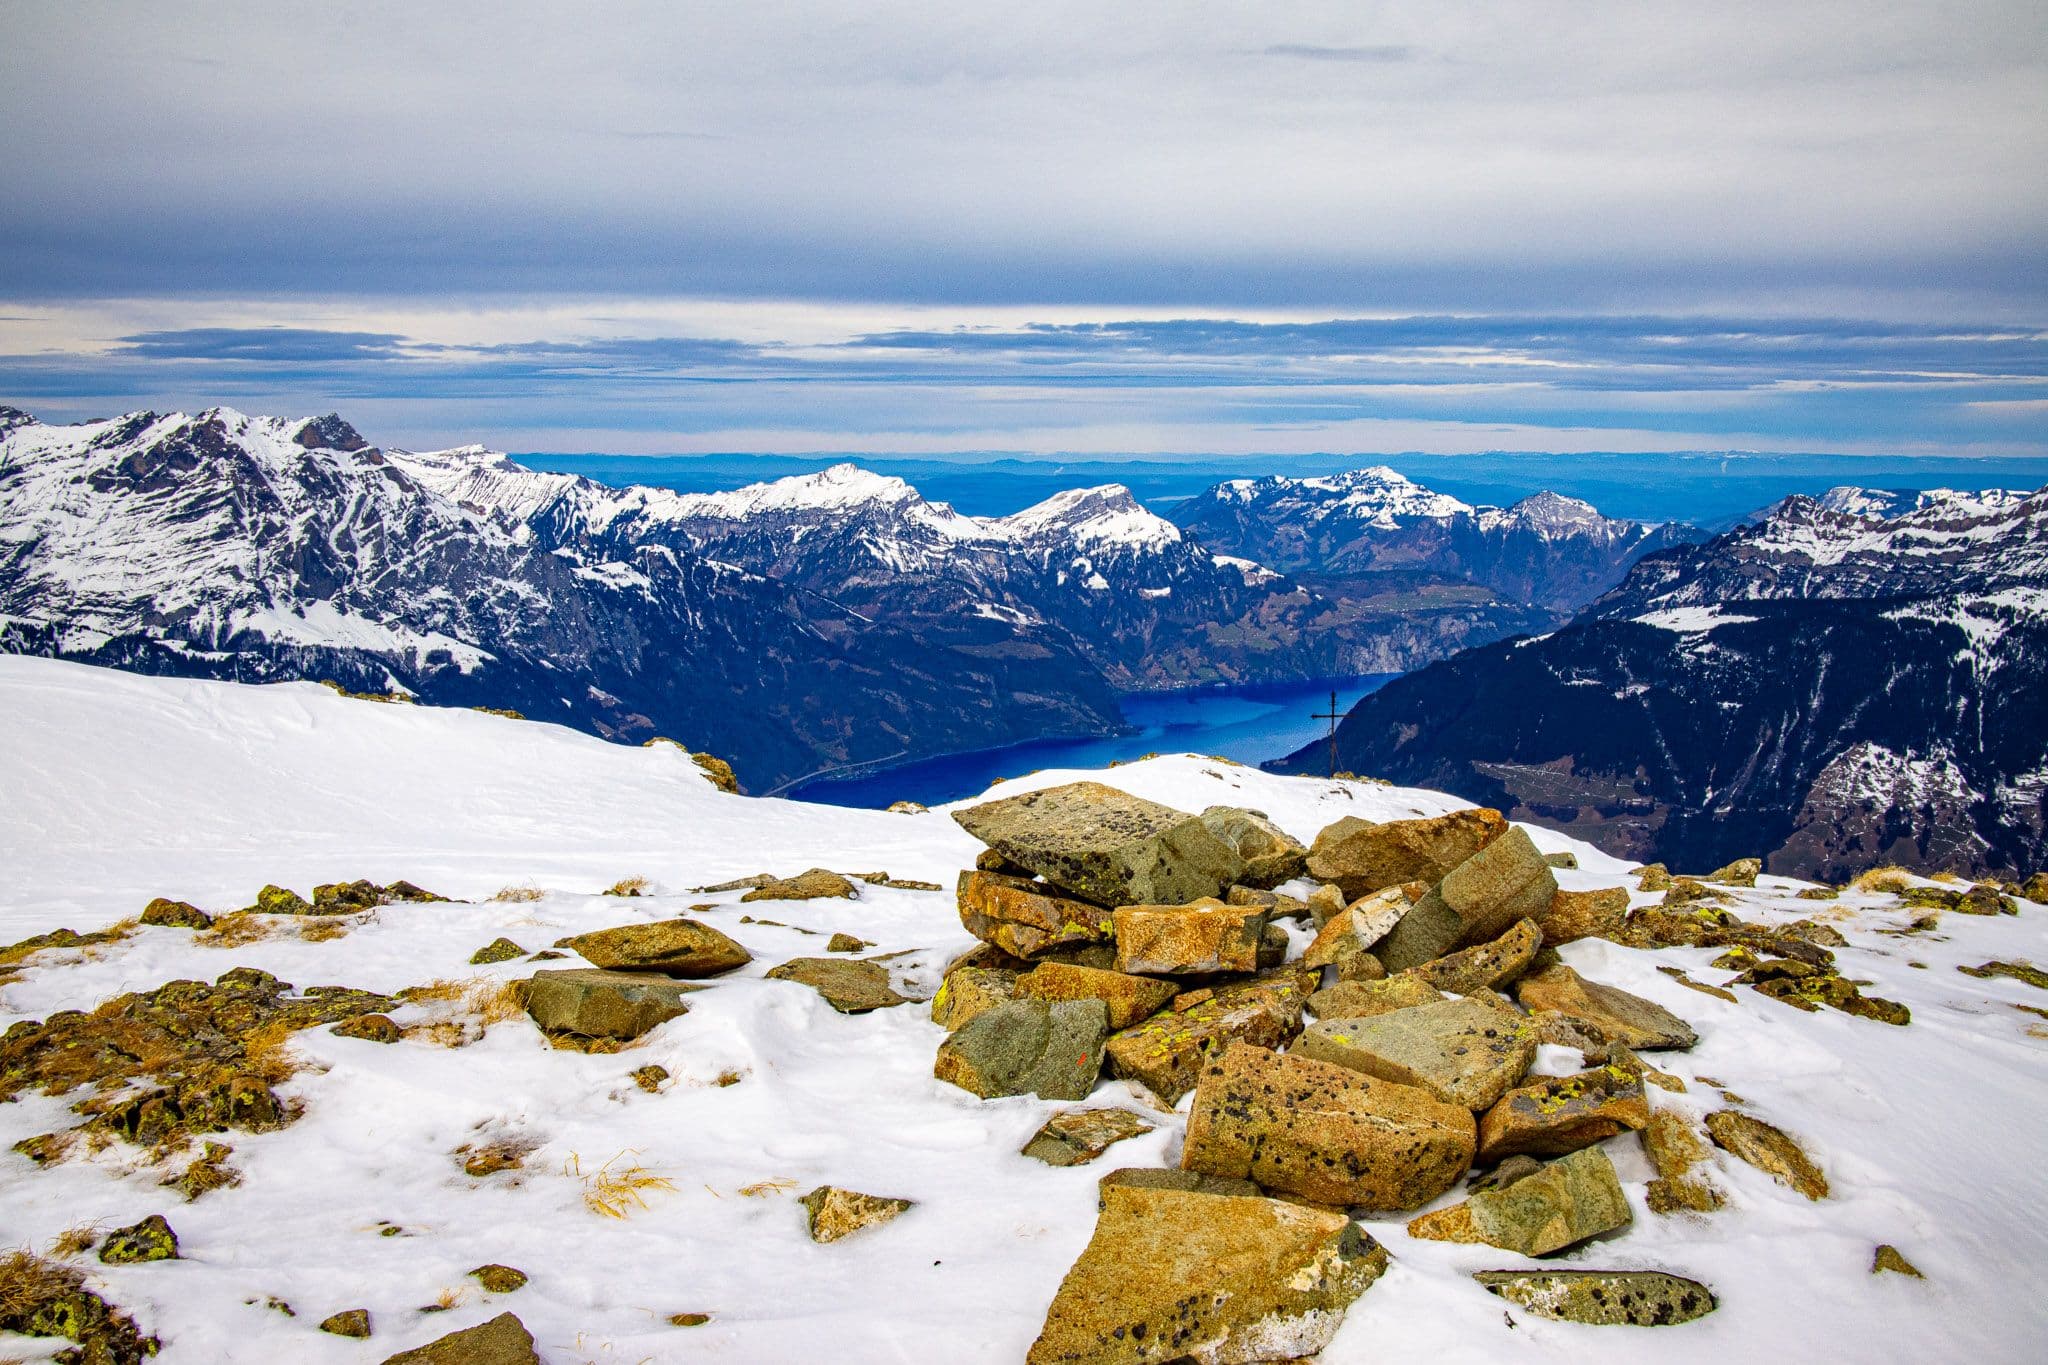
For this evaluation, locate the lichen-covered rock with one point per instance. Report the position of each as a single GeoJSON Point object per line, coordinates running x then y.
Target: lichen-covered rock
{"type": "Point", "coordinates": [149, 1240]}
{"type": "Point", "coordinates": [1984, 900]}
{"type": "Point", "coordinates": [817, 884]}
{"type": "Point", "coordinates": [1188, 940]}
{"type": "Point", "coordinates": [1269, 854]}
{"type": "Point", "coordinates": [497, 950]}
{"type": "Point", "coordinates": [45, 1298]}
{"type": "Point", "coordinates": [1477, 900]}
{"type": "Point", "coordinates": [345, 898]}
{"type": "Point", "coordinates": [846, 943]}
{"type": "Point", "coordinates": [1363, 999]}
{"type": "Point", "coordinates": [589, 1002]}
{"type": "Point", "coordinates": [370, 1028]}
{"type": "Point", "coordinates": [1484, 966]}
{"type": "Point", "coordinates": [719, 771]}
{"type": "Point", "coordinates": [1325, 1132]}
{"type": "Point", "coordinates": [1805, 986]}
{"type": "Point", "coordinates": [1052, 1049]}
{"type": "Point", "coordinates": [672, 947]}
{"type": "Point", "coordinates": [172, 914]}
{"type": "Point", "coordinates": [1676, 1149]}
{"type": "Point", "coordinates": [1165, 1054]}
{"type": "Point", "coordinates": [1887, 1258]}
{"type": "Point", "coordinates": [1173, 1178]}
{"type": "Point", "coordinates": [278, 900]}
{"type": "Point", "coordinates": [1653, 877]}
{"type": "Point", "coordinates": [832, 1213]}
{"type": "Point", "coordinates": [1555, 1115]}
{"type": "Point", "coordinates": [1025, 918]}
{"type": "Point", "coordinates": [968, 991]}
{"type": "Point", "coordinates": [1463, 1052]}
{"type": "Point", "coordinates": [1363, 857]}
{"type": "Point", "coordinates": [1567, 859]}
{"type": "Point", "coordinates": [850, 987]}
{"type": "Point", "coordinates": [1105, 845]}
{"type": "Point", "coordinates": [499, 1279]}
{"type": "Point", "coordinates": [1325, 903]}
{"type": "Point", "coordinates": [1741, 872]}
{"type": "Point", "coordinates": [1173, 1275]}
{"type": "Point", "coordinates": [1769, 1149]}
{"type": "Point", "coordinates": [1569, 1200]}
{"type": "Point", "coordinates": [1130, 999]}
{"type": "Point", "coordinates": [1078, 1136]}
{"type": "Point", "coordinates": [503, 1340]}
{"type": "Point", "coordinates": [1607, 1012]}
{"type": "Point", "coordinates": [1680, 926]}
{"type": "Point", "coordinates": [1276, 904]}
{"type": "Point", "coordinates": [1575, 915]}
{"type": "Point", "coordinates": [350, 1322]}
{"type": "Point", "coordinates": [2024, 972]}
{"type": "Point", "coordinates": [1346, 939]}
{"type": "Point", "coordinates": [1603, 1298]}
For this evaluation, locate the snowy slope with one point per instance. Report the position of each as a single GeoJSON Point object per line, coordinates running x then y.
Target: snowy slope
{"type": "Point", "coordinates": [115, 788]}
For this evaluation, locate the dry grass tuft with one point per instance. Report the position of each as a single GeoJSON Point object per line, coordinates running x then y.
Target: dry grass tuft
{"type": "Point", "coordinates": [447, 1299]}
{"type": "Point", "coordinates": [764, 1189]}
{"type": "Point", "coordinates": [460, 1011]}
{"type": "Point", "coordinates": [519, 895]}
{"type": "Point", "coordinates": [729, 1077]}
{"type": "Point", "coordinates": [614, 1189]}
{"type": "Point", "coordinates": [1883, 880]}
{"type": "Point", "coordinates": [75, 1241]}
{"type": "Point", "coordinates": [628, 886]}
{"type": "Point", "coordinates": [326, 928]}
{"type": "Point", "coordinates": [238, 928]}
{"type": "Point", "coordinates": [27, 1281]}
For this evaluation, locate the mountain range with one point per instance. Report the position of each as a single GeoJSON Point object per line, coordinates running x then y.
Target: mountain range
{"type": "Point", "coordinates": [1856, 679]}
{"type": "Point", "coordinates": [808, 624]}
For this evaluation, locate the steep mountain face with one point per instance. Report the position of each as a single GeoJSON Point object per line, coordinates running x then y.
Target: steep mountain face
{"type": "Point", "coordinates": [1830, 686]}
{"type": "Point", "coordinates": [221, 545]}
{"type": "Point", "coordinates": [1550, 552]}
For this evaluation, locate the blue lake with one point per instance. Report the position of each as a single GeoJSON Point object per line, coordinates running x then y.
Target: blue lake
{"type": "Point", "coordinates": [1251, 724]}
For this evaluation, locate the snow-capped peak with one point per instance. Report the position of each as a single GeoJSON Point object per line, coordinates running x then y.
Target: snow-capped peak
{"type": "Point", "coordinates": [1106, 514]}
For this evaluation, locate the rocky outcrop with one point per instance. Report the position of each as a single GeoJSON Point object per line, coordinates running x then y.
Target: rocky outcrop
{"type": "Point", "coordinates": [1106, 846]}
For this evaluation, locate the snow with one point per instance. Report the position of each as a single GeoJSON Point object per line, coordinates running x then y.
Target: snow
{"type": "Point", "coordinates": [1691, 620]}
{"type": "Point", "coordinates": [1108, 514]}
{"type": "Point", "coordinates": [115, 788]}
{"type": "Point", "coordinates": [323, 623]}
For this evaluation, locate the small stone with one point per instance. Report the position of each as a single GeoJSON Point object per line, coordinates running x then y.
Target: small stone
{"type": "Point", "coordinates": [503, 1340]}
{"type": "Point", "coordinates": [907, 808]}
{"type": "Point", "coordinates": [1027, 918]}
{"type": "Point", "coordinates": [1768, 1149]}
{"type": "Point", "coordinates": [1888, 1258]}
{"type": "Point", "coordinates": [674, 947]}
{"type": "Point", "coordinates": [846, 943]}
{"type": "Point", "coordinates": [1675, 1148]}
{"type": "Point", "coordinates": [699, 1319]}
{"type": "Point", "coordinates": [1051, 1049]}
{"type": "Point", "coordinates": [1485, 966]}
{"type": "Point", "coordinates": [849, 987]}
{"type": "Point", "coordinates": [1106, 846]}
{"type": "Point", "coordinates": [370, 1028]}
{"type": "Point", "coordinates": [968, 991]}
{"type": "Point", "coordinates": [497, 950]}
{"type": "Point", "coordinates": [833, 1213]}
{"type": "Point", "coordinates": [1574, 915]}
{"type": "Point", "coordinates": [1611, 1014]}
{"type": "Point", "coordinates": [1461, 1051]}
{"type": "Point", "coordinates": [1270, 855]}
{"type": "Point", "coordinates": [175, 914]}
{"type": "Point", "coordinates": [149, 1240]}
{"type": "Point", "coordinates": [1559, 1114]}
{"type": "Point", "coordinates": [1275, 904]}
{"type": "Point", "coordinates": [350, 1322]}
{"type": "Point", "coordinates": [1603, 1298]}
{"type": "Point", "coordinates": [1175, 1275]}
{"type": "Point", "coordinates": [1325, 1132]}
{"type": "Point", "coordinates": [1188, 940]}
{"type": "Point", "coordinates": [1741, 872]}
{"type": "Point", "coordinates": [650, 1077]}
{"type": "Point", "coordinates": [1477, 900]}
{"type": "Point", "coordinates": [1078, 1136]}
{"type": "Point", "coordinates": [816, 884]}
{"type": "Point", "coordinates": [590, 1003]}
{"type": "Point", "coordinates": [1130, 999]}
{"type": "Point", "coordinates": [1569, 1200]}
{"type": "Point", "coordinates": [1364, 999]}
{"type": "Point", "coordinates": [1653, 877]}
{"type": "Point", "coordinates": [1363, 857]}
{"type": "Point", "coordinates": [1165, 1054]}
{"type": "Point", "coordinates": [1567, 860]}
{"type": "Point", "coordinates": [1325, 902]}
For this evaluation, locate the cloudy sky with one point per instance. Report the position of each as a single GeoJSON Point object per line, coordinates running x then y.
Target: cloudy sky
{"type": "Point", "coordinates": [1045, 228]}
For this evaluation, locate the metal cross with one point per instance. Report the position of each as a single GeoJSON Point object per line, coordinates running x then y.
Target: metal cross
{"type": "Point", "coordinates": [1333, 715]}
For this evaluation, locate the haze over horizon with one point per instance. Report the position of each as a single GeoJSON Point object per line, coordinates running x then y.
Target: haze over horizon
{"type": "Point", "coordinates": [1059, 231]}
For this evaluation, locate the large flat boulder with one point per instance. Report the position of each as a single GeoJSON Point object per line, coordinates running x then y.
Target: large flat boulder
{"type": "Point", "coordinates": [1324, 1132]}
{"type": "Point", "coordinates": [851, 987]}
{"type": "Point", "coordinates": [1188, 940]}
{"type": "Point", "coordinates": [1484, 966]}
{"type": "Point", "coordinates": [1463, 1052]}
{"type": "Point", "coordinates": [1051, 1049]}
{"type": "Point", "coordinates": [1027, 918]}
{"type": "Point", "coordinates": [1130, 999]}
{"type": "Point", "coordinates": [587, 1002]}
{"type": "Point", "coordinates": [1105, 845]}
{"type": "Point", "coordinates": [1475, 901]}
{"type": "Point", "coordinates": [1555, 1115]}
{"type": "Point", "coordinates": [1165, 1054]}
{"type": "Point", "coordinates": [1363, 857]}
{"type": "Point", "coordinates": [1177, 1275]}
{"type": "Point", "coordinates": [672, 947]}
{"type": "Point", "coordinates": [1607, 1012]}
{"type": "Point", "coordinates": [1364, 999]}
{"type": "Point", "coordinates": [1270, 854]}
{"type": "Point", "coordinates": [1562, 1204]}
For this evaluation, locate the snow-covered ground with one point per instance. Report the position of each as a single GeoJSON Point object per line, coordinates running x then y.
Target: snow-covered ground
{"type": "Point", "coordinates": [116, 788]}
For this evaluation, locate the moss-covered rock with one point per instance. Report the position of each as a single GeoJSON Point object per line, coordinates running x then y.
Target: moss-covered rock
{"type": "Point", "coordinates": [503, 1340]}
{"type": "Point", "coordinates": [1888, 1260]}
{"type": "Point", "coordinates": [1741, 872]}
{"type": "Point", "coordinates": [719, 771]}
{"type": "Point", "coordinates": [2024, 972]}
{"type": "Point", "coordinates": [46, 1298]}
{"type": "Point", "coordinates": [1556, 1115]}
{"type": "Point", "coordinates": [349, 1322]}
{"type": "Point", "coordinates": [171, 914]}
{"type": "Point", "coordinates": [499, 1279]}
{"type": "Point", "coordinates": [497, 950]}
{"type": "Point", "coordinates": [1603, 1298]}
{"type": "Point", "coordinates": [673, 947]}
{"type": "Point", "coordinates": [279, 900]}
{"type": "Point", "coordinates": [149, 1240]}
{"type": "Point", "coordinates": [370, 1028]}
